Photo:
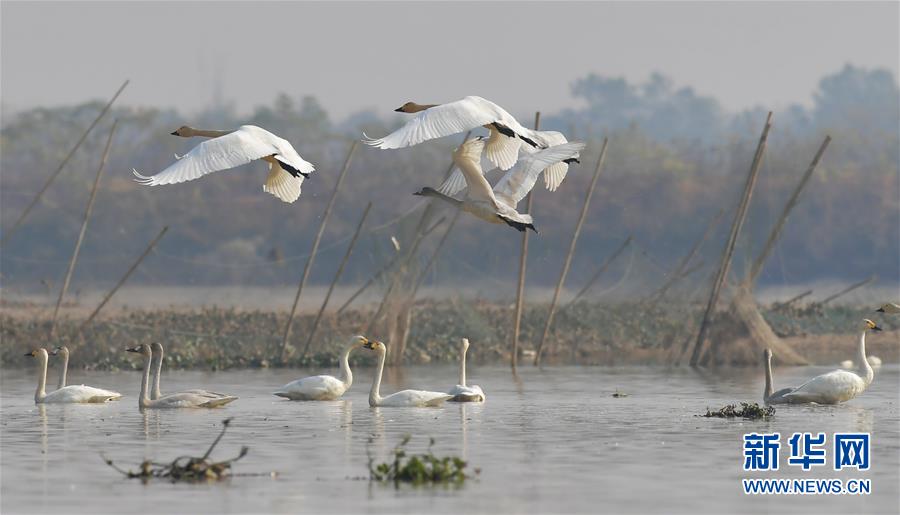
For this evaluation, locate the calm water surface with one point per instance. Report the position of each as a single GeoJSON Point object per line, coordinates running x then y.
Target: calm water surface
{"type": "Point", "coordinates": [555, 441]}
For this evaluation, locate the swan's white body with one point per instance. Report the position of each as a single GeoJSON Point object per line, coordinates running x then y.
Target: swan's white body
{"type": "Point", "coordinates": [404, 398]}
{"type": "Point", "coordinates": [838, 385]}
{"type": "Point", "coordinates": [498, 205]}
{"type": "Point", "coordinates": [228, 150]}
{"type": "Point", "coordinates": [437, 121]}
{"type": "Point", "coordinates": [157, 354]}
{"type": "Point", "coordinates": [770, 397]}
{"type": "Point", "coordinates": [175, 400]}
{"type": "Point", "coordinates": [553, 174]}
{"type": "Point", "coordinates": [324, 387]}
{"type": "Point", "coordinates": [462, 392]}
{"type": "Point", "coordinates": [73, 394]}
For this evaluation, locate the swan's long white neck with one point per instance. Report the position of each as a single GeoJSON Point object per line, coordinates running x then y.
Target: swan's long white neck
{"type": "Point", "coordinates": [41, 391]}
{"type": "Point", "coordinates": [462, 365]}
{"type": "Point", "coordinates": [206, 133]}
{"type": "Point", "coordinates": [143, 401]}
{"type": "Point", "coordinates": [346, 374]}
{"type": "Point", "coordinates": [157, 372]}
{"type": "Point", "coordinates": [375, 393]}
{"type": "Point", "coordinates": [769, 382]}
{"type": "Point", "coordinates": [64, 369]}
{"type": "Point", "coordinates": [864, 367]}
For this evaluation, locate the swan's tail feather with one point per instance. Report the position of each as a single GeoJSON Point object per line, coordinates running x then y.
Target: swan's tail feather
{"type": "Point", "coordinates": [143, 179]}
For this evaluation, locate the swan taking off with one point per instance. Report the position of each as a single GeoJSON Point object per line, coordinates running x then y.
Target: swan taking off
{"type": "Point", "coordinates": [439, 120]}
{"type": "Point", "coordinates": [228, 149]}
{"type": "Point", "coordinates": [838, 385]}
{"type": "Point", "coordinates": [175, 400]}
{"type": "Point", "coordinates": [461, 392]}
{"type": "Point", "coordinates": [402, 399]}
{"type": "Point", "coordinates": [74, 394]}
{"type": "Point", "coordinates": [323, 388]}
{"type": "Point", "coordinates": [498, 205]}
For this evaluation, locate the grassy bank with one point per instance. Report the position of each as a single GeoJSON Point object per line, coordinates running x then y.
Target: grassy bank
{"type": "Point", "coordinates": [586, 333]}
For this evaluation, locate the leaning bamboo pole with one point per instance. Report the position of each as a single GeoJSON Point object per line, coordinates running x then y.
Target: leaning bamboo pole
{"type": "Point", "coordinates": [84, 223]}
{"type": "Point", "coordinates": [756, 268]}
{"type": "Point", "coordinates": [600, 271]}
{"type": "Point", "coordinates": [847, 290]}
{"type": "Point", "coordinates": [728, 252]}
{"type": "Point", "coordinates": [315, 248]}
{"type": "Point", "coordinates": [124, 277]}
{"type": "Point", "coordinates": [523, 265]}
{"type": "Point", "coordinates": [337, 277]}
{"type": "Point", "coordinates": [568, 262]}
{"type": "Point", "coordinates": [15, 226]}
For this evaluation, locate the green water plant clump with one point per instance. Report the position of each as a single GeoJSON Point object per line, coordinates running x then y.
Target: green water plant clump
{"type": "Point", "coordinates": [419, 469]}
{"type": "Point", "coordinates": [748, 411]}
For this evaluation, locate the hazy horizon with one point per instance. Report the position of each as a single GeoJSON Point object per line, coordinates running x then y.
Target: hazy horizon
{"type": "Point", "coordinates": [742, 54]}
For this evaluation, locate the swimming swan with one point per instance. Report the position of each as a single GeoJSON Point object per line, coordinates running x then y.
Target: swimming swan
{"type": "Point", "coordinates": [768, 396]}
{"type": "Point", "coordinates": [157, 353]}
{"type": "Point", "coordinates": [461, 392]}
{"type": "Point", "coordinates": [74, 394]}
{"type": "Point", "coordinates": [405, 398]}
{"type": "Point", "coordinates": [498, 205]}
{"type": "Point", "coordinates": [63, 370]}
{"type": "Point", "coordinates": [175, 400]}
{"type": "Point", "coordinates": [228, 149]}
{"type": "Point", "coordinates": [838, 385]}
{"type": "Point", "coordinates": [439, 120]}
{"type": "Point", "coordinates": [323, 388]}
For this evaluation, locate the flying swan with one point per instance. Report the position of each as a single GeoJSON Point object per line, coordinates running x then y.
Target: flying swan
{"type": "Point", "coordinates": [889, 307]}
{"type": "Point", "coordinates": [439, 120]}
{"type": "Point", "coordinates": [401, 399]}
{"type": "Point", "coordinates": [461, 392]}
{"type": "Point", "coordinates": [838, 385]}
{"type": "Point", "coordinates": [175, 400]}
{"type": "Point", "coordinates": [323, 388]}
{"type": "Point", "coordinates": [228, 149]}
{"type": "Point", "coordinates": [74, 394]}
{"type": "Point", "coordinates": [498, 205]}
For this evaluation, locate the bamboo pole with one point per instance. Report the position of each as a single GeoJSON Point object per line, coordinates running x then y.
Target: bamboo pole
{"type": "Point", "coordinates": [848, 290]}
{"type": "Point", "coordinates": [776, 230]}
{"type": "Point", "coordinates": [337, 277]}
{"type": "Point", "coordinates": [125, 277]}
{"type": "Point", "coordinates": [568, 262]}
{"type": "Point", "coordinates": [523, 265]}
{"type": "Point", "coordinates": [679, 271]}
{"type": "Point", "coordinates": [315, 248]}
{"type": "Point", "coordinates": [381, 271]}
{"type": "Point", "coordinates": [606, 264]}
{"type": "Point", "coordinates": [795, 298]}
{"type": "Point", "coordinates": [728, 252]}
{"type": "Point", "coordinates": [434, 255]}
{"type": "Point", "coordinates": [81, 233]}
{"type": "Point", "coordinates": [15, 226]}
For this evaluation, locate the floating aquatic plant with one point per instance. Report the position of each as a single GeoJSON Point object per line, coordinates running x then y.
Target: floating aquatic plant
{"type": "Point", "coordinates": [419, 469]}
{"type": "Point", "coordinates": [185, 468]}
{"type": "Point", "coordinates": [749, 411]}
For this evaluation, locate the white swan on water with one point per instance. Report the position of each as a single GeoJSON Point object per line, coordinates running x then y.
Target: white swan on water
{"type": "Point", "coordinates": [175, 400]}
{"type": "Point", "coordinates": [838, 385]}
{"type": "Point", "coordinates": [770, 397]}
{"type": "Point", "coordinates": [157, 355]}
{"type": "Point", "coordinates": [228, 149]}
{"type": "Point", "coordinates": [73, 394]}
{"type": "Point", "coordinates": [63, 351]}
{"type": "Point", "coordinates": [498, 205]}
{"type": "Point", "coordinates": [324, 387]}
{"type": "Point", "coordinates": [462, 392]}
{"type": "Point", "coordinates": [439, 120]}
{"type": "Point", "coordinates": [404, 398]}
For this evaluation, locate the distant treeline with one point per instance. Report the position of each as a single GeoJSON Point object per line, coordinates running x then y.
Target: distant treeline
{"type": "Point", "coordinates": [675, 159]}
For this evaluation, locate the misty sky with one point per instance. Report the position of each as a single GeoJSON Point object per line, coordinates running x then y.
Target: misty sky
{"type": "Point", "coordinates": [379, 55]}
